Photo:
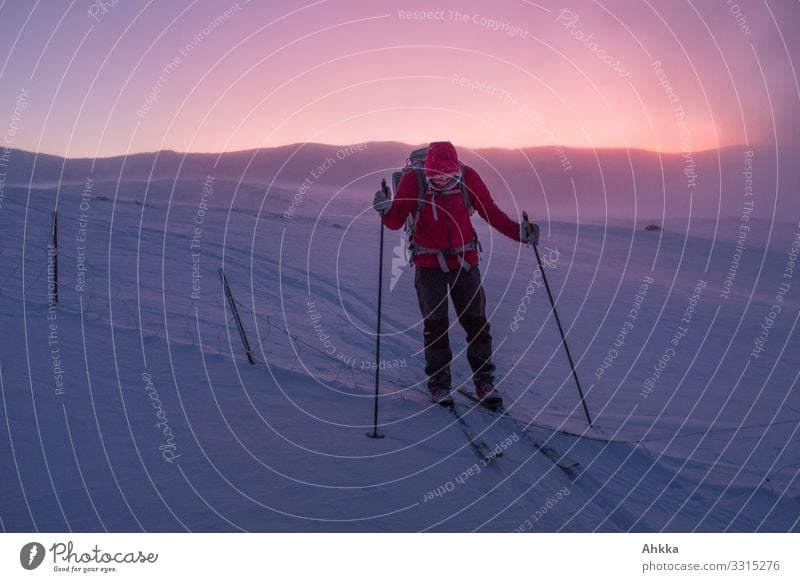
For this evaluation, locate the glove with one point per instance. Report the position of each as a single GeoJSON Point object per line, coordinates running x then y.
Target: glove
{"type": "Point", "coordinates": [382, 201]}
{"type": "Point", "coordinates": [528, 232]}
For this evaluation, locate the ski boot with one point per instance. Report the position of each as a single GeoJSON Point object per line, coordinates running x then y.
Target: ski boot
{"type": "Point", "coordinates": [488, 396]}
{"type": "Point", "coordinates": [442, 397]}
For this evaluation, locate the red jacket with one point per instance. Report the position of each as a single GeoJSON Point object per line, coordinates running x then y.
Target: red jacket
{"type": "Point", "coordinates": [452, 227]}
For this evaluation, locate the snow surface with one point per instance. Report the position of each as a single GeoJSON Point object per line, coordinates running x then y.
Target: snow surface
{"type": "Point", "coordinates": [281, 445]}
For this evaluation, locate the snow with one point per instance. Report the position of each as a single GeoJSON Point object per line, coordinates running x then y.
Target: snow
{"type": "Point", "coordinates": [164, 426]}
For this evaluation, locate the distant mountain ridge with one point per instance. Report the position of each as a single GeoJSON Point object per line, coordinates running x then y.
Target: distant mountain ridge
{"type": "Point", "coordinates": [571, 182]}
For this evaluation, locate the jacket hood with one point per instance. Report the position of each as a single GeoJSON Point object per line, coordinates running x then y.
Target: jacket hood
{"type": "Point", "coordinates": [441, 159]}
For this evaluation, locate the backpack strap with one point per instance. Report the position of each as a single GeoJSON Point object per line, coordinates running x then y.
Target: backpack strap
{"type": "Point", "coordinates": [422, 187]}
{"type": "Point", "coordinates": [470, 208]}
{"type": "Point", "coordinates": [411, 221]}
{"type": "Point", "coordinates": [457, 252]}
{"type": "Point", "coordinates": [465, 191]}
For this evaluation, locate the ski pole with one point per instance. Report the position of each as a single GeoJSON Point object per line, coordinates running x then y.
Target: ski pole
{"type": "Point", "coordinates": [236, 318]}
{"type": "Point", "coordinates": [560, 329]}
{"type": "Point", "coordinates": [54, 247]}
{"type": "Point", "coordinates": [375, 434]}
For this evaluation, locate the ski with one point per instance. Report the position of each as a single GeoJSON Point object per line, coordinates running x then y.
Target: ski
{"type": "Point", "coordinates": [486, 452]}
{"type": "Point", "coordinates": [561, 460]}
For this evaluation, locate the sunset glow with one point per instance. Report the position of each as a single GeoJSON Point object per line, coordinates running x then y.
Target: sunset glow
{"type": "Point", "coordinates": [110, 78]}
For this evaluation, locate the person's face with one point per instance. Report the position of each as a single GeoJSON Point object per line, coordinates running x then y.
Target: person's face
{"type": "Point", "coordinates": [440, 180]}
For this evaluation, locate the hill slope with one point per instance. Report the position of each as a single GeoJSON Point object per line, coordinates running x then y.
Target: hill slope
{"type": "Point", "coordinates": [162, 425]}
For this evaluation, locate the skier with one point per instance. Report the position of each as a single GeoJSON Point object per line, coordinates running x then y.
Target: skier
{"type": "Point", "coordinates": [445, 254]}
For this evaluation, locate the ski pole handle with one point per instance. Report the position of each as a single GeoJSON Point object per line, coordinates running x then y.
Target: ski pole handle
{"type": "Point", "coordinates": [525, 220]}
{"type": "Point", "coordinates": [385, 188]}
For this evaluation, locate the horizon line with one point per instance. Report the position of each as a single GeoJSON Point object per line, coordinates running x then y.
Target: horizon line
{"type": "Point", "coordinates": [298, 145]}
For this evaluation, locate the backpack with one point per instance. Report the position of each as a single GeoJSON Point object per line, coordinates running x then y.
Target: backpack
{"type": "Point", "coordinates": [416, 163]}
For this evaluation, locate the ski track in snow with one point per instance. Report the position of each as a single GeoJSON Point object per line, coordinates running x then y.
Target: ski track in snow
{"type": "Point", "coordinates": [281, 445]}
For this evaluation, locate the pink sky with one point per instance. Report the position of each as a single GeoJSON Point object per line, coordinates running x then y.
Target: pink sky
{"type": "Point", "coordinates": [80, 80]}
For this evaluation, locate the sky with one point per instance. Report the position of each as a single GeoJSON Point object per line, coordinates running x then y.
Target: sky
{"type": "Point", "coordinates": [86, 78]}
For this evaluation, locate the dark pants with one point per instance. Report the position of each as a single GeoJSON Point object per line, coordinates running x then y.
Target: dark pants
{"type": "Point", "coordinates": [469, 301]}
